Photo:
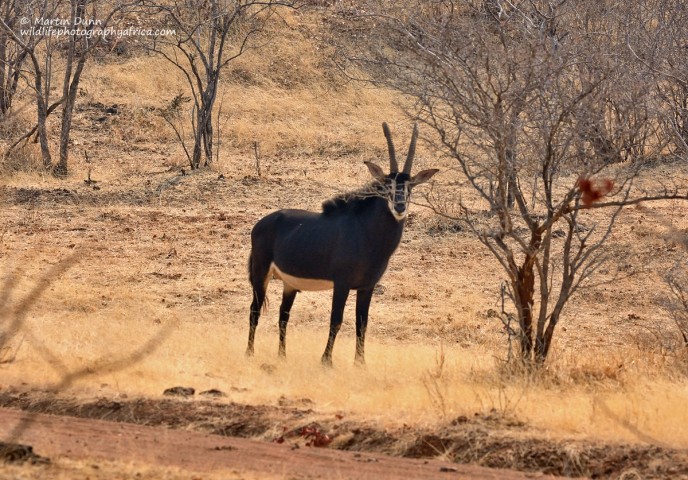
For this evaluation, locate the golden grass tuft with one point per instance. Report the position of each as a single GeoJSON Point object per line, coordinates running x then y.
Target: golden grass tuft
{"type": "Point", "coordinates": [25, 160]}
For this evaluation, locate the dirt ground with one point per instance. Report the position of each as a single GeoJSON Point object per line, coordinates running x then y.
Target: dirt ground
{"type": "Point", "coordinates": [173, 232]}
{"type": "Point", "coordinates": [195, 435]}
{"type": "Point", "coordinates": [95, 441]}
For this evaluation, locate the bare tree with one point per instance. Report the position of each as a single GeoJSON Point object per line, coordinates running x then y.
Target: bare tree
{"type": "Point", "coordinates": [82, 31]}
{"type": "Point", "coordinates": [28, 44]}
{"type": "Point", "coordinates": [209, 35]}
{"type": "Point", "coordinates": [537, 102]}
{"type": "Point", "coordinates": [12, 57]}
{"type": "Point", "coordinates": [658, 39]}
{"type": "Point", "coordinates": [77, 52]}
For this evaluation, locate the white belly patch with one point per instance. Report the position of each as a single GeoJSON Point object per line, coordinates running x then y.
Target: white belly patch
{"type": "Point", "coordinates": [303, 284]}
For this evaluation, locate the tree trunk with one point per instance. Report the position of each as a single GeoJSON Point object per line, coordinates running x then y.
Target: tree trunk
{"type": "Point", "coordinates": [209, 99]}
{"type": "Point", "coordinates": [10, 73]}
{"type": "Point", "coordinates": [510, 176]}
{"type": "Point", "coordinates": [41, 115]}
{"type": "Point", "coordinates": [42, 132]}
{"type": "Point", "coordinates": [208, 139]}
{"type": "Point", "coordinates": [525, 293]}
{"type": "Point", "coordinates": [5, 97]}
{"type": "Point", "coordinates": [71, 89]}
{"type": "Point", "coordinates": [544, 342]}
{"type": "Point", "coordinates": [198, 134]}
{"type": "Point", "coordinates": [70, 86]}
{"type": "Point", "coordinates": [203, 139]}
{"type": "Point", "coordinates": [525, 290]}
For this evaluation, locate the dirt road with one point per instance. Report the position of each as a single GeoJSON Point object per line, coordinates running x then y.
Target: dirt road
{"type": "Point", "coordinates": [94, 440]}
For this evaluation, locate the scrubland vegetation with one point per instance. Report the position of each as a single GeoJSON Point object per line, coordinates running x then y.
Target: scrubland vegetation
{"type": "Point", "coordinates": [159, 249]}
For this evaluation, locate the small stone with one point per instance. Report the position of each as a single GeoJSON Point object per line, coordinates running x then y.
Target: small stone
{"type": "Point", "coordinates": [213, 392]}
{"type": "Point", "coordinates": [179, 391]}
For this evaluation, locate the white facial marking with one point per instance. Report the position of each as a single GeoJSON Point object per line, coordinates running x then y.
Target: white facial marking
{"type": "Point", "coordinates": [303, 284]}
{"type": "Point", "coordinates": [390, 201]}
{"type": "Point", "coordinates": [399, 216]}
{"type": "Point", "coordinates": [390, 196]}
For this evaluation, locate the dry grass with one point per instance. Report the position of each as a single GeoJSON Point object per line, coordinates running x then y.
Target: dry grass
{"type": "Point", "coordinates": [392, 391]}
{"type": "Point", "coordinates": [205, 349]}
{"type": "Point", "coordinates": [174, 260]}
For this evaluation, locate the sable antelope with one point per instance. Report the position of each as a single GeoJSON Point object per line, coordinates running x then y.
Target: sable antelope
{"type": "Point", "coordinates": [346, 247]}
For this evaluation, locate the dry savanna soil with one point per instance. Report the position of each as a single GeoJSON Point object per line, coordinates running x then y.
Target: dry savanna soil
{"type": "Point", "coordinates": [118, 290]}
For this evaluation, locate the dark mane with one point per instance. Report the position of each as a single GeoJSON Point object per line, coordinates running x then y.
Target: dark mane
{"type": "Point", "coordinates": [354, 200]}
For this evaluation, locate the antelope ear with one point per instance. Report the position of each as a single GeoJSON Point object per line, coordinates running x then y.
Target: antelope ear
{"type": "Point", "coordinates": [424, 176]}
{"type": "Point", "coordinates": [375, 171]}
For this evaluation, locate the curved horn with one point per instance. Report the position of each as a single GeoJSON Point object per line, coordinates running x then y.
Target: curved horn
{"type": "Point", "coordinates": [393, 165]}
{"type": "Point", "coordinates": [412, 150]}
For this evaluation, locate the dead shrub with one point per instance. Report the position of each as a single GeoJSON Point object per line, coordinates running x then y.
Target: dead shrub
{"type": "Point", "coordinates": [13, 126]}
{"type": "Point", "coordinates": [23, 159]}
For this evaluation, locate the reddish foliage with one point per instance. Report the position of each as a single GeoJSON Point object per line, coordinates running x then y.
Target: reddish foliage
{"type": "Point", "coordinates": [281, 438]}
{"type": "Point", "coordinates": [592, 190]}
{"type": "Point", "coordinates": [312, 433]}
{"type": "Point", "coordinates": [315, 437]}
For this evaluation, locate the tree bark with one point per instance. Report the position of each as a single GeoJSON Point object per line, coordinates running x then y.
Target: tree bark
{"type": "Point", "coordinates": [41, 114]}
{"type": "Point", "coordinates": [203, 139]}
{"type": "Point", "coordinates": [5, 97]}
{"type": "Point", "coordinates": [67, 115]}
{"type": "Point", "coordinates": [525, 292]}
{"type": "Point", "coordinates": [70, 86]}
{"type": "Point", "coordinates": [525, 289]}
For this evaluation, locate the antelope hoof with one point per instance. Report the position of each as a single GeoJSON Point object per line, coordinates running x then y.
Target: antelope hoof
{"type": "Point", "coordinates": [327, 361]}
{"type": "Point", "coordinates": [360, 362]}
{"type": "Point", "coordinates": [249, 352]}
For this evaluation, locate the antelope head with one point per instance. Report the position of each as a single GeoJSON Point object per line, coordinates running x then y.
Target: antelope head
{"type": "Point", "coordinates": [398, 185]}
